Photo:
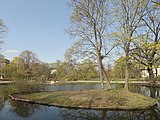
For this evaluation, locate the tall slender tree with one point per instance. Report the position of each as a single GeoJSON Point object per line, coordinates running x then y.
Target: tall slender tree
{"type": "Point", "coordinates": [89, 23]}
{"type": "Point", "coordinates": [129, 14]}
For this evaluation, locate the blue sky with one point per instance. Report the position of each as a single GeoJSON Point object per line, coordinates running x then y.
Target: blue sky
{"type": "Point", "coordinates": [36, 25]}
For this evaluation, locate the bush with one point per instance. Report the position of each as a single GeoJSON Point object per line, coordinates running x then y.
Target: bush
{"type": "Point", "coordinates": [29, 86]}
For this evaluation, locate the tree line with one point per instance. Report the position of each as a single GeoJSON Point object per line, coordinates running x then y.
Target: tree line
{"type": "Point", "coordinates": [26, 66]}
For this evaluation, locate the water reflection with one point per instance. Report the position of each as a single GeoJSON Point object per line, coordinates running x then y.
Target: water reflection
{"type": "Point", "coordinates": [23, 109]}
{"type": "Point", "coordinates": [2, 102]}
{"type": "Point", "coordinates": [148, 91]}
{"type": "Point", "coordinates": [10, 110]}
{"type": "Point", "coordinates": [154, 92]}
{"type": "Point", "coordinates": [79, 114]}
{"type": "Point", "coordinates": [3, 96]}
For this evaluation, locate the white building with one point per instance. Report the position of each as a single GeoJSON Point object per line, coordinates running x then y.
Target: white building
{"type": "Point", "coordinates": [53, 71]}
{"type": "Point", "coordinates": [144, 73]}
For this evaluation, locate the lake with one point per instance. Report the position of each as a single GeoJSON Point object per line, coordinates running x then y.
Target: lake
{"type": "Point", "coordinates": [13, 110]}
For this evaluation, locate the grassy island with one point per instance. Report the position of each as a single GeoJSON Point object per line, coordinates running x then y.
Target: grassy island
{"type": "Point", "coordinates": [90, 99]}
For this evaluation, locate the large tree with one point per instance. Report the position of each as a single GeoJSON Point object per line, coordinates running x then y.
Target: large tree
{"type": "Point", "coordinates": [29, 58]}
{"type": "Point", "coordinates": [84, 70]}
{"type": "Point", "coordinates": [89, 22]}
{"type": "Point", "coordinates": [128, 14]}
{"type": "Point", "coordinates": [16, 69]}
{"type": "Point", "coordinates": [147, 44]}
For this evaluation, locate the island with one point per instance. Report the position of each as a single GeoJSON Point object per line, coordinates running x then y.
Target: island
{"type": "Point", "coordinates": [89, 99]}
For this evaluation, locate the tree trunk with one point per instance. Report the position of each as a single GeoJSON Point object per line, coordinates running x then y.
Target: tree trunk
{"type": "Point", "coordinates": [156, 72]}
{"type": "Point", "coordinates": [121, 74]}
{"type": "Point", "coordinates": [126, 78]}
{"type": "Point", "coordinates": [126, 86]}
{"type": "Point", "coordinates": [139, 69]}
{"type": "Point", "coordinates": [100, 69]}
{"type": "Point", "coordinates": [106, 78]}
{"type": "Point", "coordinates": [152, 92]}
{"type": "Point", "coordinates": [103, 115]}
{"type": "Point", "coordinates": [129, 115]}
{"type": "Point", "coordinates": [151, 76]}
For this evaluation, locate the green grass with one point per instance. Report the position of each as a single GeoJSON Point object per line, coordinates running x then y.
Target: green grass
{"type": "Point", "coordinates": [98, 81]}
{"type": "Point", "coordinates": [93, 99]}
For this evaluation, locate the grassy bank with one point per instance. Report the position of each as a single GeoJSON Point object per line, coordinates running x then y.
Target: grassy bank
{"type": "Point", "coordinates": [90, 99]}
{"type": "Point", "coordinates": [119, 81]}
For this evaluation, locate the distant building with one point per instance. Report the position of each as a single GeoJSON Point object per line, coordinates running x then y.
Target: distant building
{"type": "Point", "coordinates": [3, 63]}
{"type": "Point", "coordinates": [144, 73]}
{"type": "Point", "coordinates": [1, 77]}
{"type": "Point", "coordinates": [53, 71]}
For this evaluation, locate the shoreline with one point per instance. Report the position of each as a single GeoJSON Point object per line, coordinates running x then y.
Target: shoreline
{"type": "Point", "coordinates": [135, 82]}
{"type": "Point", "coordinates": [6, 82]}
{"type": "Point", "coordinates": [89, 99]}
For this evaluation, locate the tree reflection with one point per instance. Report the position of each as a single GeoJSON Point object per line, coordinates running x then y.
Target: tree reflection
{"type": "Point", "coordinates": [148, 91]}
{"type": "Point", "coordinates": [71, 114]}
{"type": "Point", "coordinates": [24, 109]}
{"type": "Point", "coordinates": [3, 97]}
{"type": "Point", "coordinates": [1, 103]}
{"type": "Point", "coordinates": [154, 92]}
{"type": "Point", "coordinates": [135, 88]}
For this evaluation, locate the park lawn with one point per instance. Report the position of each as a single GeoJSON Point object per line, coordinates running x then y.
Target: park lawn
{"type": "Point", "coordinates": [90, 99]}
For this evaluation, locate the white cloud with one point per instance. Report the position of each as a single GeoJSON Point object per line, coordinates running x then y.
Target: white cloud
{"type": "Point", "coordinates": [11, 51]}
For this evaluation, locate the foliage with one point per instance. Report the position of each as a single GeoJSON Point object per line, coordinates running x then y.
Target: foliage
{"type": "Point", "coordinates": [119, 69]}
{"type": "Point", "coordinates": [29, 59]}
{"type": "Point", "coordinates": [29, 87]}
{"type": "Point", "coordinates": [3, 63]}
{"type": "Point", "coordinates": [85, 70]}
{"type": "Point", "coordinates": [136, 18]}
{"type": "Point", "coordinates": [27, 67]}
{"type": "Point", "coordinates": [147, 44]}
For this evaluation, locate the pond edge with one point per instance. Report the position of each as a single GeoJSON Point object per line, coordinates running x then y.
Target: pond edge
{"type": "Point", "coordinates": [13, 97]}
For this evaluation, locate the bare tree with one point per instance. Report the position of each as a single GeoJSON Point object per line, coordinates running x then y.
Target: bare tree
{"type": "Point", "coordinates": [29, 59]}
{"type": "Point", "coordinates": [129, 14]}
{"type": "Point", "coordinates": [89, 22]}
{"type": "Point", "coordinates": [3, 30]}
{"type": "Point", "coordinates": [156, 3]}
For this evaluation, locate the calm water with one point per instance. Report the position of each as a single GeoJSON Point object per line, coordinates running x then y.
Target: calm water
{"type": "Point", "coordinates": [11, 110]}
